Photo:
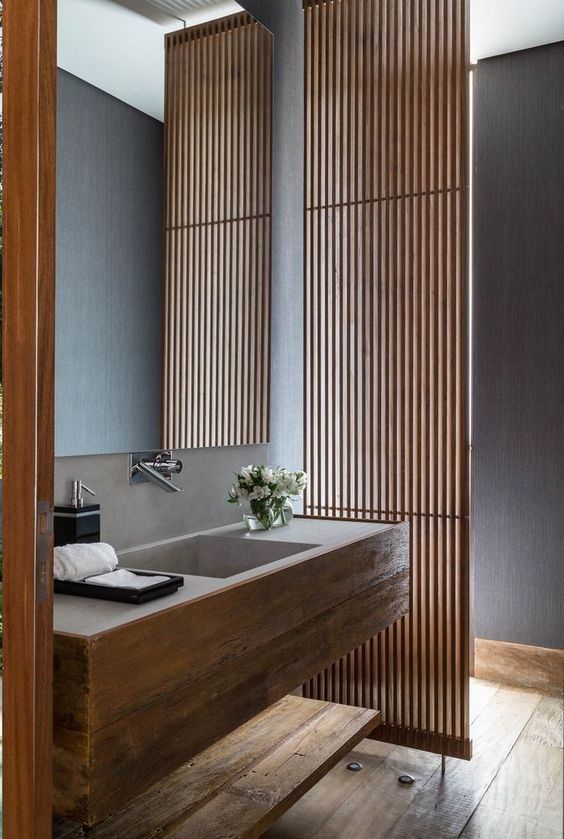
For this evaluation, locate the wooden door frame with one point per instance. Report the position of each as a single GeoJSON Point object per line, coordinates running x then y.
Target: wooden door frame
{"type": "Point", "coordinates": [30, 60]}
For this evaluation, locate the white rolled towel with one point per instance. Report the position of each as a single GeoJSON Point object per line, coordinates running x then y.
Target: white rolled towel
{"type": "Point", "coordinates": [75, 562]}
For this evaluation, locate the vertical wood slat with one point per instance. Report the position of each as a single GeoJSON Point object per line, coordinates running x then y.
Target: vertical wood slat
{"type": "Point", "coordinates": [385, 335]}
{"type": "Point", "coordinates": [217, 234]}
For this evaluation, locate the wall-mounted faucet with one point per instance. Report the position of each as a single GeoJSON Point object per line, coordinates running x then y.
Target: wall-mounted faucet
{"type": "Point", "coordinates": [155, 467]}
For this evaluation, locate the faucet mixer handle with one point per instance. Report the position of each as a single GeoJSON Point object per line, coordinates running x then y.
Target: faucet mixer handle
{"type": "Point", "coordinates": [77, 500]}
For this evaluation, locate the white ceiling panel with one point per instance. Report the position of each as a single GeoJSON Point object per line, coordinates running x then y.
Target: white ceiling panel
{"type": "Point", "coordinates": [182, 8]}
{"type": "Point", "coordinates": [500, 26]}
{"type": "Point", "coordinates": [119, 46]}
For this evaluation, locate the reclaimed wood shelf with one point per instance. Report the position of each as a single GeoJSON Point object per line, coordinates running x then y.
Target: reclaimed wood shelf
{"type": "Point", "coordinates": [243, 783]}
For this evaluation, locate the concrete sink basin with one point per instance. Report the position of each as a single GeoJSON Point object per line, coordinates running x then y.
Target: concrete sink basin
{"type": "Point", "coordinates": [211, 556]}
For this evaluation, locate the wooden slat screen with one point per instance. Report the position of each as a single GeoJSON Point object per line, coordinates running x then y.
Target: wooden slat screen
{"type": "Point", "coordinates": [385, 342]}
{"type": "Point", "coordinates": [217, 233]}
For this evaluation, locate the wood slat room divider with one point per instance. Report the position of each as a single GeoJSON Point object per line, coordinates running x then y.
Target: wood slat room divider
{"type": "Point", "coordinates": [385, 344]}
{"type": "Point", "coordinates": [217, 233]}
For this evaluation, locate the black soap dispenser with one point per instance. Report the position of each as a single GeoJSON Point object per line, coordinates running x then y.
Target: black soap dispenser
{"type": "Point", "coordinates": [77, 522]}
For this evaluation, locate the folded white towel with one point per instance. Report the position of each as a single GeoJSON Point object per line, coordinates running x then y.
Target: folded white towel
{"type": "Point", "coordinates": [125, 579]}
{"type": "Point", "coordinates": [75, 562]}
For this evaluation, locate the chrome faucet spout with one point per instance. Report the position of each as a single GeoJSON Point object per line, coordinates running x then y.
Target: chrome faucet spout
{"type": "Point", "coordinates": [156, 468]}
{"type": "Point", "coordinates": [157, 478]}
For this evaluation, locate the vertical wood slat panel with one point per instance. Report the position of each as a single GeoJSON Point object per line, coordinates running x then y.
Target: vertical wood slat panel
{"type": "Point", "coordinates": [385, 335]}
{"type": "Point", "coordinates": [217, 234]}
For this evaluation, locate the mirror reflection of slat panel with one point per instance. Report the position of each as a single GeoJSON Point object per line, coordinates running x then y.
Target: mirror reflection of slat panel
{"type": "Point", "coordinates": [385, 342]}
{"type": "Point", "coordinates": [217, 234]}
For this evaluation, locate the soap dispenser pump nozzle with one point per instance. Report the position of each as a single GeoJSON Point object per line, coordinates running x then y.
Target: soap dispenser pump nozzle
{"type": "Point", "coordinates": [76, 498]}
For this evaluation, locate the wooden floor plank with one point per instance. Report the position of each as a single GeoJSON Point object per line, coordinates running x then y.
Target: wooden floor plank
{"type": "Point", "coordinates": [546, 726]}
{"type": "Point", "coordinates": [525, 798]}
{"type": "Point", "coordinates": [481, 693]}
{"type": "Point", "coordinates": [320, 803]}
{"type": "Point", "coordinates": [444, 805]}
{"type": "Point", "coordinates": [489, 823]}
{"type": "Point", "coordinates": [367, 804]}
{"type": "Point", "coordinates": [381, 800]}
{"type": "Point", "coordinates": [550, 823]}
{"type": "Point", "coordinates": [524, 782]}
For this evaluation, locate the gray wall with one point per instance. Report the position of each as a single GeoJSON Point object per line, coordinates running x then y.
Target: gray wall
{"type": "Point", "coordinates": [109, 269]}
{"type": "Point", "coordinates": [136, 515]}
{"type": "Point", "coordinates": [518, 417]}
{"type": "Point", "coordinates": [285, 19]}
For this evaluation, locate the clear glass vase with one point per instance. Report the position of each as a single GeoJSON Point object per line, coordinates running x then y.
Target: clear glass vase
{"type": "Point", "coordinates": [283, 518]}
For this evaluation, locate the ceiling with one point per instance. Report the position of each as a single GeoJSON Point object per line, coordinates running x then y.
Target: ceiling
{"type": "Point", "coordinates": [118, 45]}
{"type": "Point", "coordinates": [182, 8]}
{"type": "Point", "coordinates": [499, 26]}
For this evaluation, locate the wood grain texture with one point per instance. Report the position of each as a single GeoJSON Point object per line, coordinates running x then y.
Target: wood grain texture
{"type": "Point", "coordinates": [253, 801]}
{"type": "Point", "coordinates": [439, 809]}
{"type": "Point", "coordinates": [385, 335]}
{"type": "Point", "coordinates": [121, 654]}
{"type": "Point", "coordinates": [516, 789]}
{"type": "Point", "coordinates": [528, 798]}
{"type": "Point", "coordinates": [217, 234]}
{"type": "Point", "coordinates": [520, 665]}
{"type": "Point", "coordinates": [29, 31]}
{"type": "Point", "coordinates": [209, 677]}
{"type": "Point", "coordinates": [187, 720]}
{"type": "Point", "coordinates": [166, 802]}
{"type": "Point", "coordinates": [546, 726]}
{"type": "Point", "coordinates": [367, 805]}
{"type": "Point", "coordinates": [241, 784]}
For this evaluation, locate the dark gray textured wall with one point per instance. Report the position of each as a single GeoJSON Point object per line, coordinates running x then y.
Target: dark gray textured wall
{"type": "Point", "coordinates": [109, 269]}
{"type": "Point", "coordinates": [285, 19]}
{"type": "Point", "coordinates": [518, 416]}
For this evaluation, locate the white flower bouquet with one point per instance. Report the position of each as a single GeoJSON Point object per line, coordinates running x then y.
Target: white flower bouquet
{"type": "Point", "coordinates": [267, 491]}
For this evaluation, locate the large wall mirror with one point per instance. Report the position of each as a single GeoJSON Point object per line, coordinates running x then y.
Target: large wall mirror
{"type": "Point", "coordinates": [163, 225]}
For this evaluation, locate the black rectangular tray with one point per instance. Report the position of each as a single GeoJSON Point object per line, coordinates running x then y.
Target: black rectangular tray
{"type": "Point", "coordinates": [123, 595]}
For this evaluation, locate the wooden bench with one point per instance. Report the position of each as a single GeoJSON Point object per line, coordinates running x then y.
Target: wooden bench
{"type": "Point", "coordinates": [243, 783]}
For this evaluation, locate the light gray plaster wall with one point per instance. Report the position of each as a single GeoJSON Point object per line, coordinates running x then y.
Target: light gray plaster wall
{"type": "Point", "coordinates": [109, 273]}
{"type": "Point", "coordinates": [135, 515]}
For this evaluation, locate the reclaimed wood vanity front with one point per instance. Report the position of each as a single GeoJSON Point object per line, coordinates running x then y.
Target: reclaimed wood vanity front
{"type": "Point", "coordinates": [141, 689]}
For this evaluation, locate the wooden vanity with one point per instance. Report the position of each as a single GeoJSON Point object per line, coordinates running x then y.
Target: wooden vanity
{"type": "Point", "coordinates": [141, 689]}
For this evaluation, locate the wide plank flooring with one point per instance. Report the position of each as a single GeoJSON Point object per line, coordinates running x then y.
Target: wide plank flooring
{"type": "Point", "coordinates": [512, 789]}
